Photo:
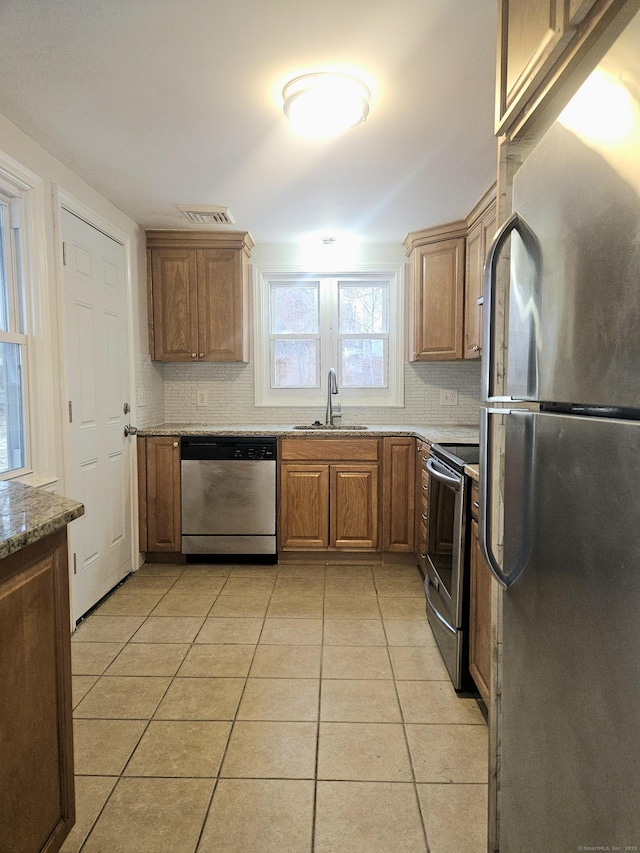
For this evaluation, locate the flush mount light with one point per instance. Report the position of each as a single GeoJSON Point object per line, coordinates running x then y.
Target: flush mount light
{"type": "Point", "coordinates": [325, 103]}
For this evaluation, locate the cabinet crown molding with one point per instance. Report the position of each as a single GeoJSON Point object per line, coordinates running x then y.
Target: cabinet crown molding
{"type": "Point", "coordinates": [450, 230]}
{"type": "Point", "coordinates": [200, 240]}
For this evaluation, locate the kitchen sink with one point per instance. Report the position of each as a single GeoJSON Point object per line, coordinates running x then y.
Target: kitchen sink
{"type": "Point", "coordinates": [318, 426]}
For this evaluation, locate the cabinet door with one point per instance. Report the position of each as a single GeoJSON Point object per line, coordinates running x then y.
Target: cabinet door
{"type": "Point", "coordinates": [480, 618]}
{"type": "Point", "coordinates": [398, 494]}
{"type": "Point", "coordinates": [353, 509]}
{"type": "Point", "coordinates": [36, 768]}
{"type": "Point", "coordinates": [478, 242]}
{"type": "Point", "coordinates": [174, 298]}
{"type": "Point", "coordinates": [164, 522]}
{"type": "Point", "coordinates": [438, 300]}
{"type": "Point", "coordinates": [221, 306]}
{"type": "Point", "coordinates": [303, 506]}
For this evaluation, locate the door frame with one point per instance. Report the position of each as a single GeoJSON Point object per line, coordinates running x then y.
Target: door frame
{"type": "Point", "coordinates": [64, 200]}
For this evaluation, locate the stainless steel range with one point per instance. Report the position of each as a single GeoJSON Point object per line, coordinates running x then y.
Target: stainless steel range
{"type": "Point", "coordinates": [447, 577]}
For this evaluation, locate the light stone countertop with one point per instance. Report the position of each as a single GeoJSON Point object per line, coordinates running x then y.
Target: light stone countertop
{"type": "Point", "coordinates": [431, 434]}
{"type": "Point", "coordinates": [28, 514]}
{"type": "Point", "coordinates": [473, 471]}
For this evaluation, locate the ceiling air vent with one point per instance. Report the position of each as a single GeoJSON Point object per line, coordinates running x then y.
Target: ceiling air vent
{"type": "Point", "coordinates": [206, 214]}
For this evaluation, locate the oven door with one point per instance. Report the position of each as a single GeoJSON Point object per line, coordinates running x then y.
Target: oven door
{"type": "Point", "coordinates": [445, 541]}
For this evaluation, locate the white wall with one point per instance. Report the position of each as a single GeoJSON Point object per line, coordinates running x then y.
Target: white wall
{"type": "Point", "coordinates": [54, 174]}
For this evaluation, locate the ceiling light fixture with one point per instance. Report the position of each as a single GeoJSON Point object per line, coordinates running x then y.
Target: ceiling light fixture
{"type": "Point", "coordinates": [325, 103]}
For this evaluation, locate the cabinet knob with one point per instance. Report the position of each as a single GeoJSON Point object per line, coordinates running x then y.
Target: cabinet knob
{"type": "Point", "coordinates": [194, 355]}
{"type": "Point", "coordinates": [175, 443]}
{"type": "Point", "coordinates": [201, 355]}
{"type": "Point", "coordinates": [476, 348]}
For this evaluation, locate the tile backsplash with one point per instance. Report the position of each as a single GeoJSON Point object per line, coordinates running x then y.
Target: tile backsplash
{"type": "Point", "coordinates": [227, 393]}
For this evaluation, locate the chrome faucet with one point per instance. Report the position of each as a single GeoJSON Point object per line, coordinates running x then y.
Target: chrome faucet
{"type": "Point", "coordinates": [332, 388]}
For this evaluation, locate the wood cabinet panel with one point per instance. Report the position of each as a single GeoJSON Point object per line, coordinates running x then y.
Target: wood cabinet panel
{"type": "Point", "coordinates": [163, 494]}
{"type": "Point", "coordinates": [353, 506]}
{"type": "Point", "coordinates": [304, 506]}
{"type": "Point", "coordinates": [480, 618]}
{"type": "Point", "coordinates": [330, 449]}
{"type": "Point", "coordinates": [174, 304]}
{"type": "Point", "coordinates": [438, 300]}
{"type": "Point", "coordinates": [479, 239]}
{"type": "Point", "coordinates": [36, 770]}
{"type": "Point", "coordinates": [222, 305]}
{"type": "Point", "coordinates": [398, 494]}
{"type": "Point", "coordinates": [422, 503]}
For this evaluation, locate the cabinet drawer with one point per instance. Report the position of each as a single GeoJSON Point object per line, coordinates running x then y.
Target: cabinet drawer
{"type": "Point", "coordinates": [330, 449]}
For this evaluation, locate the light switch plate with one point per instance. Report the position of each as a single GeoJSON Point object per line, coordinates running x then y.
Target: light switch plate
{"type": "Point", "coordinates": [201, 397]}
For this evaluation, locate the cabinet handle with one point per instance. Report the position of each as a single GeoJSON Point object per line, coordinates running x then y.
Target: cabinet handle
{"type": "Point", "coordinates": [476, 348]}
{"type": "Point", "coordinates": [425, 488]}
{"type": "Point", "coordinates": [194, 355]}
{"type": "Point", "coordinates": [424, 516]}
{"type": "Point", "coordinates": [476, 505]}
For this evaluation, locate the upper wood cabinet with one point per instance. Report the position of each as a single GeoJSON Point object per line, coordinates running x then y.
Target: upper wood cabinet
{"type": "Point", "coordinates": [482, 227]}
{"type": "Point", "coordinates": [445, 283]}
{"type": "Point", "coordinates": [198, 295]}
{"type": "Point", "coordinates": [436, 292]}
{"type": "Point", "coordinates": [539, 41]}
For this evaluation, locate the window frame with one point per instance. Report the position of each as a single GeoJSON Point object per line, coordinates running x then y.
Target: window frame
{"type": "Point", "coordinates": [264, 395]}
{"type": "Point", "coordinates": [40, 385]}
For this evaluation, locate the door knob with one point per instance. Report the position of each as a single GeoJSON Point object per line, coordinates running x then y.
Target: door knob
{"type": "Point", "coordinates": [129, 430]}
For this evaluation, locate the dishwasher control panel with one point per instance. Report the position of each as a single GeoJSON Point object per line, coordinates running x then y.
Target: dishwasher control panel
{"type": "Point", "coordinates": [258, 448]}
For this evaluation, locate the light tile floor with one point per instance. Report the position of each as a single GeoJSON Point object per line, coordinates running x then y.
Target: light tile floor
{"type": "Point", "coordinates": [272, 709]}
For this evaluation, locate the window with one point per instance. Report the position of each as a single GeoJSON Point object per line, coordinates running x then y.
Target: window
{"type": "Point", "coordinates": [308, 323]}
{"type": "Point", "coordinates": [13, 341]}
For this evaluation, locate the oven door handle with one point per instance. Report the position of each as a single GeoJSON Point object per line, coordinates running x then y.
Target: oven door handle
{"type": "Point", "coordinates": [432, 606]}
{"type": "Point", "coordinates": [442, 474]}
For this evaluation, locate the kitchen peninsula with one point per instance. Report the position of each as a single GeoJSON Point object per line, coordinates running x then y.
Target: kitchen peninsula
{"type": "Point", "coordinates": [36, 772]}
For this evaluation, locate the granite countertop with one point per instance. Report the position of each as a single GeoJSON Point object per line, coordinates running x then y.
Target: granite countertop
{"type": "Point", "coordinates": [432, 434]}
{"type": "Point", "coordinates": [28, 514]}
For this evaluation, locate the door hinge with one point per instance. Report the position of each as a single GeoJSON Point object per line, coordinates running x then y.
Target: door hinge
{"type": "Point", "coordinates": [64, 254]}
{"type": "Point", "coordinates": [70, 412]}
{"type": "Point", "coordinates": [75, 564]}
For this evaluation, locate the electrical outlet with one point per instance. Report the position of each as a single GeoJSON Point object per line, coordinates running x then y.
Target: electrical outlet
{"type": "Point", "coordinates": [448, 397]}
{"type": "Point", "coordinates": [201, 397]}
{"type": "Point", "coordinates": [141, 396]}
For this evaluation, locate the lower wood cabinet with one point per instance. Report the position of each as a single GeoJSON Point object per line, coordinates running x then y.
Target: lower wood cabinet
{"type": "Point", "coordinates": [421, 485]}
{"type": "Point", "coordinates": [159, 494]}
{"type": "Point", "coordinates": [36, 769]}
{"type": "Point", "coordinates": [398, 494]}
{"type": "Point", "coordinates": [480, 610]}
{"type": "Point", "coordinates": [328, 494]}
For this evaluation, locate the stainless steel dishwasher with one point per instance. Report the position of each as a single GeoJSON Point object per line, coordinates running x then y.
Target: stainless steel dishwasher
{"type": "Point", "coordinates": [228, 495]}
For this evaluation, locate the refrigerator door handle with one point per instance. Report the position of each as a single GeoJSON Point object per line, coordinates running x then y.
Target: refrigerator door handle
{"type": "Point", "coordinates": [518, 224]}
{"type": "Point", "coordinates": [505, 579]}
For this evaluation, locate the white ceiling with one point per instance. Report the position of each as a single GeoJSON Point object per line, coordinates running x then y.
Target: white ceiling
{"type": "Point", "coordinates": [157, 103]}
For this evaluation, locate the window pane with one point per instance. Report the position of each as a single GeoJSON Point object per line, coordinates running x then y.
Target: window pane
{"type": "Point", "coordinates": [363, 363]}
{"type": "Point", "coordinates": [12, 449]}
{"type": "Point", "coordinates": [295, 364]}
{"type": "Point", "coordinates": [363, 309]}
{"type": "Point", "coordinates": [294, 309]}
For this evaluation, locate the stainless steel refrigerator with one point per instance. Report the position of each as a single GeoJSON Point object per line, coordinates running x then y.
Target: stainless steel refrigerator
{"type": "Point", "coordinates": [569, 728]}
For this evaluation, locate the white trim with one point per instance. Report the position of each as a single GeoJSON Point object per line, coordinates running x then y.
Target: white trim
{"type": "Point", "coordinates": [40, 402]}
{"type": "Point", "coordinates": [387, 398]}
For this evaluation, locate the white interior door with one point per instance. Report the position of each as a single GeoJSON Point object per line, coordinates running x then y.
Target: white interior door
{"type": "Point", "coordinates": [98, 455]}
